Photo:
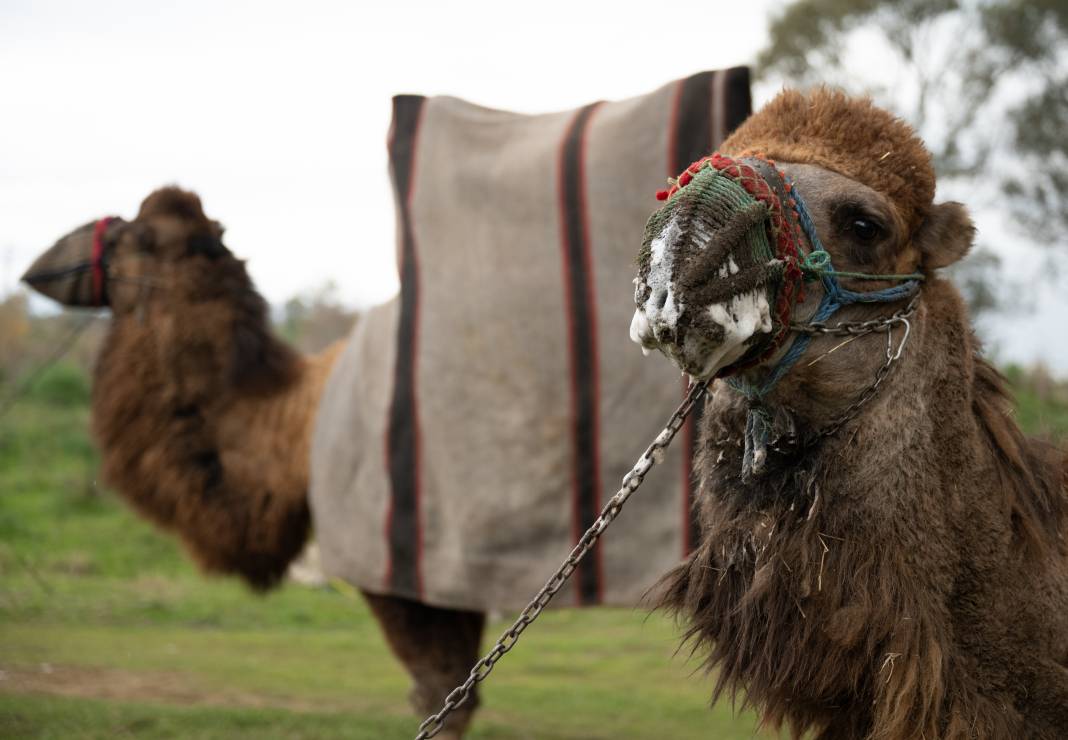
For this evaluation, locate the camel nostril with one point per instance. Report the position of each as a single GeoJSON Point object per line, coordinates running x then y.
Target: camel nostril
{"type": "Point", "coordinates": [661, 299]}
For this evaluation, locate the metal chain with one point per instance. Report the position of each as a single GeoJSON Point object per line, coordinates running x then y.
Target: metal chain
{"type": "Point", "coordinates": [857, 328]}
{"type": "Point", "coordinates": [892, 356]}
{"type": "Point", "coordinates": [653, 454]}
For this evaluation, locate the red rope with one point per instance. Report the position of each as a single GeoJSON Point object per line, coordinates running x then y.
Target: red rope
{"type": "Point", "coordinates": [97, 260]}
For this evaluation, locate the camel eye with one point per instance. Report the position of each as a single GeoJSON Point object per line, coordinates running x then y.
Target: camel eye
{"type": "Point", "coordinates": [865, 230]}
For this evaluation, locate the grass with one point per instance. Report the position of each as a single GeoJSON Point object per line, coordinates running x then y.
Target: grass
{"type": "Point", "coordinates": [62, 718]}
{"type": "Point", "coordinates": [106, 630]}
{"type": "Point", "coordinates": [1041, 404]}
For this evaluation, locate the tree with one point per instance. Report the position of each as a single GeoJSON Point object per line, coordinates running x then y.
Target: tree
{"type": "Point", "coordinates": [984, 81]}
{"type": "Point", "coordinates": [316, 319]}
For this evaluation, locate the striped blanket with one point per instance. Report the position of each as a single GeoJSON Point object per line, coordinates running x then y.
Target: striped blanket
{"type": "Point", "coordinates": [475, 425]}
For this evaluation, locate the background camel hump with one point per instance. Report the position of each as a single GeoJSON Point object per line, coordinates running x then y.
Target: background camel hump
{"type": "Point", "coordinates": [260, 363]}
{"type": "Point", "coordinates": [208, 281]}
{"type": "Point", "coordinates": [171, 200]}
{"type": "Point", "coordinates": [197, 234]}
{"type": "Point", "coordinates": [847, 135]}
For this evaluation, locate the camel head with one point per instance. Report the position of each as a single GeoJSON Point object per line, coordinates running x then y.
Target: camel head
{"type": "Point", "coordinates": [778, 226]}
{"type": "Point", "coordinates": [114, 263]}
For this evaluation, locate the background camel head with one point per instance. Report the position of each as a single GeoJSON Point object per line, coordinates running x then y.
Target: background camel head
{"type": "Point", "coordinates": [717, 289]}
{"type": "Point", "coordinates": [116, 263]}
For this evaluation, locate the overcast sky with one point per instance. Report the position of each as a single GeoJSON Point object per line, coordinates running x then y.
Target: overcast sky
{"type": "Point", "coordinates": [276, 114]}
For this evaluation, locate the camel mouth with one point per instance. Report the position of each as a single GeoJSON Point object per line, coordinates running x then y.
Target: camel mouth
{"type": "Point", "coordinates": [73, 270]}
{"type": "Point", "coordinates": [726, 338]}
{"type": "Point", "coordinates": [700, 297]}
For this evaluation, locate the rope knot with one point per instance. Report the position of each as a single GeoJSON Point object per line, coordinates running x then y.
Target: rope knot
{"type": "Point", "coordinates": [816, 263]}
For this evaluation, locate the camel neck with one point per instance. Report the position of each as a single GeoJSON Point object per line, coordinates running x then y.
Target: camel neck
{"type": "Point", "coordinates": [204, 422]}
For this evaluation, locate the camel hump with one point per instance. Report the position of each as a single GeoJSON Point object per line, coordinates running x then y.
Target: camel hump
{"type": "Point", "coordinates": [171, 200]}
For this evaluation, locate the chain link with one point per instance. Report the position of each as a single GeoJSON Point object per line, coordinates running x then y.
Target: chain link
{"type": "Point", "coordinates": [892, 356]}
{"type": "Point", "coordinates": [857, 329]}
{"type": "Point", "coordinates": [653, 454]}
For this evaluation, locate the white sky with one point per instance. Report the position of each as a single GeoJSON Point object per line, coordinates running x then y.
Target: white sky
{"type": "Point", "coordinates": [276, 113]}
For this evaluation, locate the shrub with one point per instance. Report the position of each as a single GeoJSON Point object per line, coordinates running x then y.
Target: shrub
{"type": "Point", "coordinates": [61, 385]}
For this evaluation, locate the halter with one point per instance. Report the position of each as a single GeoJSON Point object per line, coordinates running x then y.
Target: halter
{"type": "Point", "coordinates": [96, 261]}
{"type": "Point", "coordinates": [789, 225]}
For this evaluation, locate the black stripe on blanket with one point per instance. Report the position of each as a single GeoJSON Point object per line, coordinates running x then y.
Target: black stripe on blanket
{"type": "Point", "coordinates": [403, 572]}
{"type": "Point", "coordinates": [737, 102]}
{"type": "Point", "coordinates": [582, 335]}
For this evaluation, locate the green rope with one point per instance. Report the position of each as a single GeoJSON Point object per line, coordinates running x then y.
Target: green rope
{"type": "Point", "coordinates": [815, 265]}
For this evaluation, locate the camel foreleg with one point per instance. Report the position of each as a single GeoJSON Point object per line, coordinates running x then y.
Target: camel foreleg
{"type": "Point", "coordinates": [437, 646]}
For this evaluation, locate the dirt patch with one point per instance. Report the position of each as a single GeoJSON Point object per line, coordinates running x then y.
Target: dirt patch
{"type": "Point", "coordinates": [159, 687]}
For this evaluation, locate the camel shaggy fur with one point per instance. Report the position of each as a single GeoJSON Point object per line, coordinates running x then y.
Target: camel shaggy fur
{"type": "Point", "coordinates": [204, 418]}
{"type": "Point", "coordinates": [907, 576]}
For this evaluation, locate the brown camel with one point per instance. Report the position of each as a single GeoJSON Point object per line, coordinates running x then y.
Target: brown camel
{"type": "Point", "coordinates": [204, 418]}
{"type": "Point", "coordinates": [878, 560]}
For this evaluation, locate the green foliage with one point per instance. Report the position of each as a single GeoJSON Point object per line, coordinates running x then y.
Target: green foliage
{"type": "Point", "coordinates": [1041, 402]}
{"type": "Point", "coordinates": [53, 718]}
{"type": "Point", "coordinates": [808, 29]}
{"type": "Point", "coordinates": [314, 320]}
{"type": "Point", "coordinates": [1039, 195]}
{"type": "Point", "coordinates": [61, 384]}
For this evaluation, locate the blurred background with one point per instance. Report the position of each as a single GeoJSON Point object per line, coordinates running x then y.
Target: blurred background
{"type": "Point", "coordinates": [276, 114]}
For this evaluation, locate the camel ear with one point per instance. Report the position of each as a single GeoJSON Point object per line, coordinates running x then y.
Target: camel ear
{"type": "Point", "coordinates": [945, 236]}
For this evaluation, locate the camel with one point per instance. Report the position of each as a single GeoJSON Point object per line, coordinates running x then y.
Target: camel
{"type": "Point", "coordinates": [204, 418]}
{"type": "Point", "coordinates": [882, 550]}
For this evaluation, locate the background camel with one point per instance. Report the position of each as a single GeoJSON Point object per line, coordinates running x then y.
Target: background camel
{"type": "Point", "coordinates": [898, 569]}
{"type": "Point", "coordinates": [204, 418]}
{"type": "Point", "coordinates": [465, 429]}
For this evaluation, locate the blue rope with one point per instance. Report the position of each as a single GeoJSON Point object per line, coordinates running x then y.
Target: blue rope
{"type": "Point", "coordinates": [818, 263]}
{"type": "Point", "coordinates": [834, 298]}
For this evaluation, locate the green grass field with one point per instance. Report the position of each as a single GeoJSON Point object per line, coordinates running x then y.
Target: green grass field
{"type": "Point", "coordinates": [106, 630]}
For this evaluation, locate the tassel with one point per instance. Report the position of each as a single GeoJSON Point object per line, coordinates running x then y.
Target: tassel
{"type": "Point", "coordinates": [757, 429]}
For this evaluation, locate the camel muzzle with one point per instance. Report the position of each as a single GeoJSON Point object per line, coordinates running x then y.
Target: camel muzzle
{"type": "Point", "coordinates": [74, 270]}
{"type": "Point", "coordinates": [708, 276]}
{"type": "Point", "coordinates": [724, 264]}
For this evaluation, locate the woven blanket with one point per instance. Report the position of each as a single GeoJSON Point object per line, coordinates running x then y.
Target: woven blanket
{"type": "Point", "coordinates": [475, 424]}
